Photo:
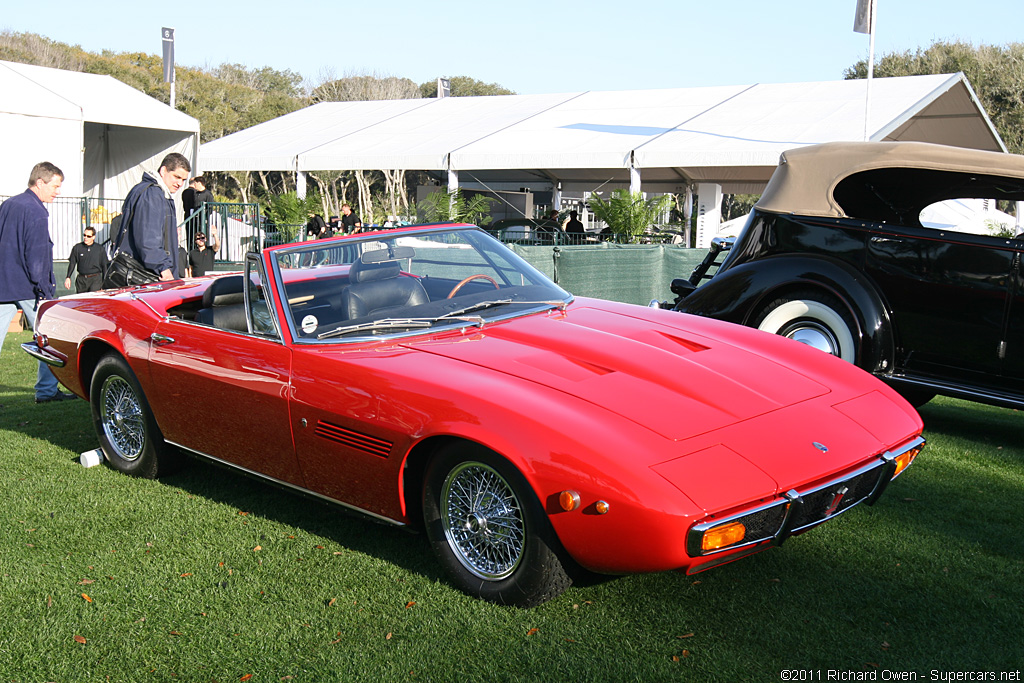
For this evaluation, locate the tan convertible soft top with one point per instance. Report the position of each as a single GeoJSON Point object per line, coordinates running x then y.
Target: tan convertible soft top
{"type": "Point", "coordinates": [805, 178]}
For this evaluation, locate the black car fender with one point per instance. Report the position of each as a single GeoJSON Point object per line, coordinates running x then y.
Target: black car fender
{"type": "Point", "coordinates": [738, 294]}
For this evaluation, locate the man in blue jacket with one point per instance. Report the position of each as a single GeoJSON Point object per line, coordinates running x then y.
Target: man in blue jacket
{"type": "Point", "coordinates": [26, 261]}
{"type": "Point", "coordinates": [151, 220]}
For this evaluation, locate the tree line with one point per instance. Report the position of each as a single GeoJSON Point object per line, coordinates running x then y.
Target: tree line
{"type": "Point", "coordinates": [232, 97]}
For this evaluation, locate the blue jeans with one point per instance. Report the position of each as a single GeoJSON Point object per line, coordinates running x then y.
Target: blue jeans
{"type": "Point", "coordinates": [46, 383]}
{"type": "Point", "coordinates": [7, 311]}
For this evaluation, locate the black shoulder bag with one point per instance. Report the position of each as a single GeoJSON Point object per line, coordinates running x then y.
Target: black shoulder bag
{"type": "Point", "coordinates": [123, 269]}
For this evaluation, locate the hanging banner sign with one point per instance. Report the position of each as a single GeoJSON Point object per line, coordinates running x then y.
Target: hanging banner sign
{"type": "Point", "coordinates": [168, 39]}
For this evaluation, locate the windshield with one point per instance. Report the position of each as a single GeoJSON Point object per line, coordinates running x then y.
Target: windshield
{"type": "Point", "coordinates": [406, 282]}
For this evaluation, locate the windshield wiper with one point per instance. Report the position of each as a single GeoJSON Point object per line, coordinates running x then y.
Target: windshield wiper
{"type": "Point", "coordinates": [475, 307]}
{"type": "Point", "coordinates": [501, 302]}
{"type": "Point", "coordinates": [384, 324]}
{"type": "Point", "coordinates": [419, 323]}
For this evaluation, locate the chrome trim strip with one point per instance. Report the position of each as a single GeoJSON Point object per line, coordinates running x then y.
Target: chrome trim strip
{"type": "Point", "coordinates": [291, 487]}
{"type": "Point", "coordinates": [32, 349]}
{"type": "Point", "coordinates": [969, 393]}
{"type": "Point", "coordinates": [135, 297]}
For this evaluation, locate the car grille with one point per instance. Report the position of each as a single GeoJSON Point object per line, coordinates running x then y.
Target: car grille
{"type": "Point", "coordinates": [832, 499]}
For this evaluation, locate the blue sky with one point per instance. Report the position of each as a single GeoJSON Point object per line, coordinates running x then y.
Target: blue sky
{"type": "Point", "coordinates": [529, 46]}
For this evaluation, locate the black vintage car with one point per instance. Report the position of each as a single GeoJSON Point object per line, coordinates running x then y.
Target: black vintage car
{"type": "Point", "coordinates": [835, 255]}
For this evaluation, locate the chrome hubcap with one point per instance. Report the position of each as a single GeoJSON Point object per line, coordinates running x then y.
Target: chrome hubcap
{"type": "Point", "coordinates": [813, 334]}
{"type": "Point", "coordinates": [121, 416]}
{"type": "Point", "coordinates": [482, 520]}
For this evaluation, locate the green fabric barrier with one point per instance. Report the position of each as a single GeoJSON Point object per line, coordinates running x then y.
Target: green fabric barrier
{"type": "Point", "coordinates": [629, 273]}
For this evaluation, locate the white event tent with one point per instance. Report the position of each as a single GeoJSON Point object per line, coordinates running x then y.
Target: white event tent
{"type": "Point", "coordinates": [723, 139]}
{"type": "Point", "coordinates": [101, 132]}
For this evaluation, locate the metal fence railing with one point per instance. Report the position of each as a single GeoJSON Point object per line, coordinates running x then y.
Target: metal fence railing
{"type": "Point", "coordinates": [238, 226]}
{"type": "Point", "coordinates": [526, 236]}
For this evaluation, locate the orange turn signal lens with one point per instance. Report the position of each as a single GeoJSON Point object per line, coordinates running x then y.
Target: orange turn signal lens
{"type": "Point", "coordinates": [602, 507]}
{"type": "Point", "coordinates": [722, 536]}
{"type": "Point", "coordinates": [569, 500]}
{"type": "Point", "coordinates": [903, 460]}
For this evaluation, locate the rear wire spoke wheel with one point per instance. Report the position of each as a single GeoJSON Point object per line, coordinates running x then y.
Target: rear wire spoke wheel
{"type": "Point", "coordinates": [128, 433]}
{"type": "Point", "coordinates": [488, 529]}
{"type": "Point", "coordinates": [816, 319]}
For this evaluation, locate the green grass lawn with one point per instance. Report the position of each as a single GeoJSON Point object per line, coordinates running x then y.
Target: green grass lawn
{"type": "Point", "coordinates": [208, 576]}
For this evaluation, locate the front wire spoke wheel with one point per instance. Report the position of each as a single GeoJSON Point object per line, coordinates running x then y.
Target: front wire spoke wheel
{"type": "Point", "coordinates": [131, 440]}
{"type": "Point", "coordinates": [122, 418]}
{"type": "Point", "coordinates": [483, 521]}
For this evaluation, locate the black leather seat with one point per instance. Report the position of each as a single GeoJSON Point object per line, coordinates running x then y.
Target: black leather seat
{"type": "Point", "coordinates": [376, 288]}
{"type": "Point", "coordinates": [224, 304]}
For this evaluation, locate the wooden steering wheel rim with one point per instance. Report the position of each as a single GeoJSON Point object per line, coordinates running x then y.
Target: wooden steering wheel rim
{"type": "Point", "coordinates": [478, 276]}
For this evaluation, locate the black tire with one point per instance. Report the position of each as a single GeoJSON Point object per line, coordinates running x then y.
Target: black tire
{"type": "Point", "coordinates": [915, 397]}
{"type": "Point", "coordinates": [129, 436]}
{"type": "Point", "coordinates": [814, 318]}
{"type": "Point", "coordinates": [496, 544]}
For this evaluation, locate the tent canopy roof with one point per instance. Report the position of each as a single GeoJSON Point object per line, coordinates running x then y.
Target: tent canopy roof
{"type": "Point", "coordinates": [731, 135]}
{"type": "Point", "coordinates": [53, 93]}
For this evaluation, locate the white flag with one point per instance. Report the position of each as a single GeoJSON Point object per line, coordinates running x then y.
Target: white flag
{"type": "Point", "coordinates": [863, 22]}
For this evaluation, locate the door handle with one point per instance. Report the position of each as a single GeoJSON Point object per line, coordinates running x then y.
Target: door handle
{"type": "Point", "coordinates": [160, 339]}
{"type": "Point", "coordinates": [878, 239]}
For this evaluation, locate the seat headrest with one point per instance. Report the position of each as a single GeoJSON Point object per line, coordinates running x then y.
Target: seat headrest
{"type": "Point", "coordinates": [368, 272]}
{"type": "Point", "coordinates": [225, 291]}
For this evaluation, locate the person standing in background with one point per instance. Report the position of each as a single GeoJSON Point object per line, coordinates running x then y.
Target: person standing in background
{"type": "Point", "coordinates": [202, 196]}
{"type": "Point", "coordinates": [91, 261]}
{"type": "Point", "coordinates": [201, 258]}
{"type": "Point", "coordinates": [26, 261]}
{"type": "Point", "coordinates": [350, 222]}
{"type": "Point", "coordinates": [188, 199]}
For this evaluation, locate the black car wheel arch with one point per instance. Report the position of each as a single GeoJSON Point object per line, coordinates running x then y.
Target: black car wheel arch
{"type": "Point", "coordinates": [742, 293]}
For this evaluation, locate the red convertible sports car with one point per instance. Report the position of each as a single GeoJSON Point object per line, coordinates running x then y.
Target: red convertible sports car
{"type": "Point", "coordinates": [430, 377]}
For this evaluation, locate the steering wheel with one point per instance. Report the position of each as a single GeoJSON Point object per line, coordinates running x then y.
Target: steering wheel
{"type": "Point", "coordinates": [478, 276]}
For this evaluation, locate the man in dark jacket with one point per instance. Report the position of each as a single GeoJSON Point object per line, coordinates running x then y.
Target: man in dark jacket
{"type": "Point", "coordinates": [26, 261]}
{"type": "Point", "coordinates": [150, 218]}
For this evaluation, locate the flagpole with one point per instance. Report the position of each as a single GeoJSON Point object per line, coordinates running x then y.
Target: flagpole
{"type": "Point", "coordinates": [871, 69]}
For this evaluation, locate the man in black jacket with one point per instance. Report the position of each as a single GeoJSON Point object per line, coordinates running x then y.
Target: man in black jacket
{"type": "Point", "coordinates": [150, 218]}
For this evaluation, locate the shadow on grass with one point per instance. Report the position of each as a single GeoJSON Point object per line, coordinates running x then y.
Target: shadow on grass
{"type": "Point", "coordinates": [989, 424]}
{"type": "Point", "coordinates": [346, 528]}
{"type": "Point", "coordinates": [64, 424]}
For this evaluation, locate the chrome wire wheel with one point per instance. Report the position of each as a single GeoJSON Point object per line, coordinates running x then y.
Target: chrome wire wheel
{"type": "Point", "coordinates": [124, 423]}
{"type": "Point", "coordinates": [482, 520]}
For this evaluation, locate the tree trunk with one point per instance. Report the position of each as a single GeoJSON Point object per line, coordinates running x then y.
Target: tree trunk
{"type": "Point", "coordinates": [365, 199]}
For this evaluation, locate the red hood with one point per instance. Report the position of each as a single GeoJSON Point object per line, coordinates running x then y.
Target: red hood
{"type": "Point", "coordinates": [677, 383]}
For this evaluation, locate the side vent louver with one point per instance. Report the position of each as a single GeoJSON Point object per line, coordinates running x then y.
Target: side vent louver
{"type": "Point", "coordinates": [360, 442]}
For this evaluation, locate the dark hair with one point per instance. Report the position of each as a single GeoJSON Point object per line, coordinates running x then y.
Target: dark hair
{"type": "Point", "coordinates": [44, 171]}
{"type": "Point", "coordinates": [174, 161]}
{"type": "Point", "coordinates": [199, 179]}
